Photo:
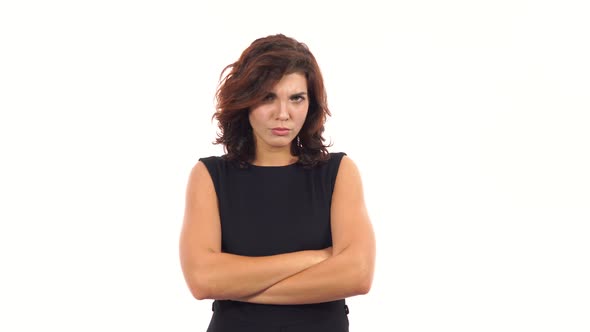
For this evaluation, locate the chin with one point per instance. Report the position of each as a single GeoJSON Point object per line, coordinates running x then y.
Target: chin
{"type": "Point", "coordinates": [280, 140]}
{"type": "Point", "coordinates": [280, 145]}
{"type": "Point", "coordinates": [276, 144]}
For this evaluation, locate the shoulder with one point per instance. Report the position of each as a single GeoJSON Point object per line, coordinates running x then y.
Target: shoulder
{"type": "Point", "coordinates": [208, 174]}
{"type": "Point", "coordinates": [211, 160]}
{"type": "Point", "coordinates": [337, 162]}
{"type": "Point", "coordinates": [213, 164]}
{"type": "Point", "coordinates": [203, 165]}
{"type": "Point", "coordinates": [337, 155]}
{"type": "Point", "coordinates": [206, 169]}
{"type": "Point", "coordinates": [201, 183]}
{"type": "Point", "coordinates": [347, 170]}
{"type": "Point", "coordinates": [335, 159]}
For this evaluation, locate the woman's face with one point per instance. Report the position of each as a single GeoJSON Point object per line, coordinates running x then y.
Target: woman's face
{"type": "Point", "coordinates": [278, 119]}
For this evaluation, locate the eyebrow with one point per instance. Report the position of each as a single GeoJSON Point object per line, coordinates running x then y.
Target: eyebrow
{"type": "Point", "coordinates": [292, 95]}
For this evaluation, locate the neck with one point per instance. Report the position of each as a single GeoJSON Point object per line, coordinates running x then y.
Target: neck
{"type": "Point", "coordinates": [274, 158]}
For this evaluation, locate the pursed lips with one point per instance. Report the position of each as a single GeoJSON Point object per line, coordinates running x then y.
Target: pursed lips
{"type": "Point", "coordinates": [280, 131]}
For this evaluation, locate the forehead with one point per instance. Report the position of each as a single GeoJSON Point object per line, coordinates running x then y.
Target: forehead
{"type": "Point", "coordinates": [291, 83]}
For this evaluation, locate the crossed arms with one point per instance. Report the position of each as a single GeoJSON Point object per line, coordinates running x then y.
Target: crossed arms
{"type": "Point", "coordinates": [309, 276]}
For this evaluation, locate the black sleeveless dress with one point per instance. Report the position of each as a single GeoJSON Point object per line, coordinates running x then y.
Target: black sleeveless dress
{"type": "Point", "coordinates": [269, 210]}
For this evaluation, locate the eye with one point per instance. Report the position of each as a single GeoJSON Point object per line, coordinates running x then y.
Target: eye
{"type": "Point", "coordinates": [268, 97]}
{"type": "Point", "coordinates": [298, 98]}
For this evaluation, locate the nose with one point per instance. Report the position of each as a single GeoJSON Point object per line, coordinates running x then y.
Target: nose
{"type": "Point", "coordinates": [283, 111]}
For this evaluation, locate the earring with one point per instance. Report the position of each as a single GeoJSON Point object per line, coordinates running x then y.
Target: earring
{"type": "Point", "coordinates": [299, 142]}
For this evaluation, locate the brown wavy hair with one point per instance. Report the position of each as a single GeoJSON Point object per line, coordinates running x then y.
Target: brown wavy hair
{"type": "Point", "coordinates": [259, 68]}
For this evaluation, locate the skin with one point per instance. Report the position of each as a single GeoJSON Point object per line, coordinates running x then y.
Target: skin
{"type": "Point", "coordinates": [286, 105]}
{"type": "Point", "coordinates": [309, 276]}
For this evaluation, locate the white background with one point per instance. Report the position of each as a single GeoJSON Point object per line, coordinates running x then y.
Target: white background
{"type": "Point", "coordinates": [468, 120]}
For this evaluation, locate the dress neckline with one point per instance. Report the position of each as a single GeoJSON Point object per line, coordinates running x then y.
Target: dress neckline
{"type": "Point", "coordinates": [272, 167]}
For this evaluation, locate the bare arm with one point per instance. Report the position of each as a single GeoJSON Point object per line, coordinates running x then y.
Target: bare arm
{"type": "Point", "coordinates": [211, 274]}
{"type": "Point", "coordinates": [350, 271]}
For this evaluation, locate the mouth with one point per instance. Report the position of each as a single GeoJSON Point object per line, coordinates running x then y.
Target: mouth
{"type": "Point", "coordinates": [280, 131]}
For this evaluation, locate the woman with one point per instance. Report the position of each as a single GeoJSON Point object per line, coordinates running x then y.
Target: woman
{"type": "Point", "coordinates": [276, 230]}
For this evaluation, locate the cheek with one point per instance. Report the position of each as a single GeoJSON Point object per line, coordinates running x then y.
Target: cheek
{"type": "Point", "coordinates": [303, 115]}
{"type": "Point", "coordinates": [256, 117]}
{"type": "Point", "coordinates": [260, 114]}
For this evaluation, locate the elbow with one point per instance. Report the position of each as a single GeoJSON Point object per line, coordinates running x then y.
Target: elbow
{"type": "Point", "coordinates": [198, 275]}
{"type": "Point", "coordinates": [199, 293]}
{"type": "Point", "coordinates": [198, 288]}
{"type": "Point", "coordinates": [364, 285]}
{"type": "Point", "coordinates": [365, 277]}
{"type": "Point", "coordinates": [203, 288]}
{"type": "Point", "coordinates": [361, 267]}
